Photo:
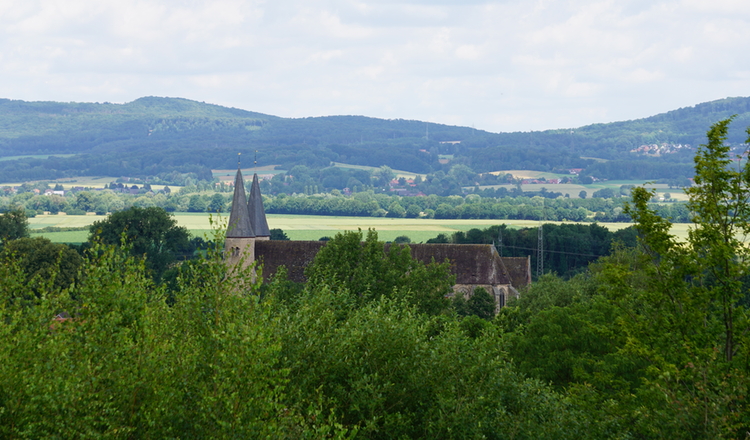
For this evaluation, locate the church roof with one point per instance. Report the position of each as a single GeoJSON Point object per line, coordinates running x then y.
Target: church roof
{"type": "Point", "coordinates": [239, 219]}
{"type": "Point", "coordinates": [295, 255]}
{"type": "Point", "coordinates": [471, 263]}
{"type": "Point", "coordinates": [476, 264]}
{"type": "Point", "coordinates": [256, 211]}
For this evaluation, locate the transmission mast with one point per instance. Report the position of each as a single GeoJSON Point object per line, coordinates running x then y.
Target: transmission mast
{"type": "Point", "coordinates": [500, 240]}
{"type": "Point", "coordinates": [540, 244]}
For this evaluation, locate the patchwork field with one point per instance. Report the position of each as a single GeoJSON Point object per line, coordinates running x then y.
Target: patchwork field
{"type": "Point", "coordinates": [528, 174]}
{"type": "Point", "coordinates": [399, 173]}
{"type": "Point", "coordinates": [228, 175]}
{"type": "Point", "coordinates": [87, 182]}
{"type": "Point", "coordinates": [309, 227]}
{"type": "Point", "coordinates": [34, 156]}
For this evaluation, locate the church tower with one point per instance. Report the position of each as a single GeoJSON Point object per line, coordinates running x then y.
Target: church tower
{"type": "Point", "coordinates": [257, 212]}
{"type": "Point", "coordinates": [240, 239]}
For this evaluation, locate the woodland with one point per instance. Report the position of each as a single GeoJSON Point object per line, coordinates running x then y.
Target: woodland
{"type": "Point", "coordinates": [154, 137]}
{"type": "Point", "coordinates": [649, 341]}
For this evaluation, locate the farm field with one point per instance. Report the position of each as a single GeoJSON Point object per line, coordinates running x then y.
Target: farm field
{"type": "Point", "coordinates": [228, 175]}
{"type": "Point", "coordinates": [34, 156]}
{"type": "Point", "coordinates": [399, 173]}
{"type": "Point", "coordinates": [310, 227]}
{"type": "Point", "coordinates": [528, 174]}
{"type": "Point", "coordinates": [87, 182]}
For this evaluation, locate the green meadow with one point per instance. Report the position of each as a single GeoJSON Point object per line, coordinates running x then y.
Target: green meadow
{"type": "Point", "coordinates": [573, 189]}
{"type": "Point", "coordinates": [398, 173]}
{"type": "Point", "coordinates": [308, 227]}
{"type": "Point", "coordinates": [34, 156]}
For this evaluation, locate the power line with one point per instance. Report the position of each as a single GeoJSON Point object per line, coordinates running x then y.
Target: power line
{"type": "Point", "coordinates": [554, 252]}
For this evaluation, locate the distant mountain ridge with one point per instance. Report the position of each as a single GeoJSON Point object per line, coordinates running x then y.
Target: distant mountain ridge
{"type": "Point", "coordinates": [160, 135]}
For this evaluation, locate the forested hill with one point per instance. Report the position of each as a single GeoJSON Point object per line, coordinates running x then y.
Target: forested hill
{"type": "Point", "coordinates": [153, 135]}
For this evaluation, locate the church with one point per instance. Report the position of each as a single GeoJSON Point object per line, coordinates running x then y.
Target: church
{"type": "Point", "coordinates": [474, 265]}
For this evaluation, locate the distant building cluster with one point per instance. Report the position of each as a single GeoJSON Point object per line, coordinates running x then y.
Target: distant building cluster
{"type": "Point", "coordinates": [541, 181]}
{"type": "Point", "coordinates": [659, 149]}
{"type": "Point", "coordinates": [404, 187]}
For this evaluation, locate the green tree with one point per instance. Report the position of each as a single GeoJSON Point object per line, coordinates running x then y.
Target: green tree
{"type": "Point", "coordinates": [383, 176]}
{"type": "Point", "coordinates": [396, 210]}
{"type": "Point", "coordinates": [217, 203]}
{"type": "Point", "coordinates": [413, 211]}
{"type": "Point", "coordinates": [197, 204]}
{"type": "Point", "coordinates": [278, 234]}
{"type": "Point", "coordinates": [481, 304]}
{"type": "Point", "coordinates": [85, 201]}
{"type": "Point", "coordinates": [687, 302]}
{"type": "Point", "coordinates": [148, 232]}
{"type": "Point", "coordinates": [13, 225]}
{"type": "Point", "coordinates": [45, 265]}
{"type": "Point", "coordinates": [402, 239]}
{"type": "Point", "coordinates": [367, 271]}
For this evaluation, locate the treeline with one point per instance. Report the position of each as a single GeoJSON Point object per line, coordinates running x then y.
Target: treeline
{"type": "Point", "coordinates": [567, 250]}
{"type": "Point", "coordinates": [361, 204]}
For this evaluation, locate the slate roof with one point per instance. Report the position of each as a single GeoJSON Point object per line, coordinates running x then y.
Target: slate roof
{"type": "Point", "coordinates": [471, 263]}
{"type": "Point", "coordinates": [295, 255]}
{"type": "Point", "coordinates": [519, 269]}
{"type": "Point", "coordinates": [239, 219]}
{"type": "Point", "coordinates": [256, 211]}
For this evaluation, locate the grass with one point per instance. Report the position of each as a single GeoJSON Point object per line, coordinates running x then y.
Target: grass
{"type": "Point", "coordinates": [595, 159]}
{"type": "Point", "coordinates": [311, 227]}
{"type": "Point", "coordinates": [88, 182]}
{"type": "Point", "coordinates": [527, 174]}
{"type": "Point", "coordinates": [64, 237]}
{"type": "Point", "coordinates": [34, 156]}
{"type": "Point", "coordinates": [225, 175]}
{"type": "Point", "coordinates": [399, 173]}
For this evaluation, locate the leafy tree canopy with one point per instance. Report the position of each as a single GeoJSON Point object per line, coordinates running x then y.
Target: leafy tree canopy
{"type": "Point", "coordinates": [13, 225]}
{"type": "Point", "coordinates": [149, 232]}
{"type": "Point", "coordinates": [368, 271]}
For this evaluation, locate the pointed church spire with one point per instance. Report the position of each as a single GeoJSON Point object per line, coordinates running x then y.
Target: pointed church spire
{"type": "Point", "coordinates": [239, 220]}
{"type": "Point", "coordinates": [256, 211]}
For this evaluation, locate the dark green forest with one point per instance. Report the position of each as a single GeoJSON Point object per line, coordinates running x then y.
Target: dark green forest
{"type": "Point", "coordinates": [154, 136]}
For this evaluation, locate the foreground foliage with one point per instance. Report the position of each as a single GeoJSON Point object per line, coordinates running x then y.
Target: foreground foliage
{"type": "Point", "coordinates": [653, 342]}
{"type": "Point", "coordinates": [649, 343]}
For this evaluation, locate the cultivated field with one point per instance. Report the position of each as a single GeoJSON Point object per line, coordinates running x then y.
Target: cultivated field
{"type": "Point", "coordinates": [310, 227]}
{"type": "Point", "coordinates": [86, 182]}
{"type": "Point", "coordinates": [528, 174]}
{"type": "Point", "coordinates": [34, 156]}
{"type": "Point", "coordinates": [399, 173]}
{"type": "Point", "coordinates": [228, 175]}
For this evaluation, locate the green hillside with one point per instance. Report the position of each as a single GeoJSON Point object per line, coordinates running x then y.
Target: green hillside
{"type": "Point", "coordinates": [155, 136]}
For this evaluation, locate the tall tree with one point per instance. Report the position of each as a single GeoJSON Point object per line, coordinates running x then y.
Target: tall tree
{"type": "Point", "coordinates": [686, 303]}
{"type": "Point", "coordinates": [367, 271]}
{"type": "Point", "coordinates": [13, 225]}
{"type": "Point", "coordinates": [149, 232]}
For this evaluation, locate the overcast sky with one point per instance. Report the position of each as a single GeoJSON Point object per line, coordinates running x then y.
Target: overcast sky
{"type": "Point", "coordinates": [513, 65]}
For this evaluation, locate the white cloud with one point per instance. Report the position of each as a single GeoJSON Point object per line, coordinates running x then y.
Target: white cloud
{"type": "Point", "coordinates": [500, 65]}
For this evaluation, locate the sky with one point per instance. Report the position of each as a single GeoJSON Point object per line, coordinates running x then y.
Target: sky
{"type": "Point", "coordinates": [509, 65]}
